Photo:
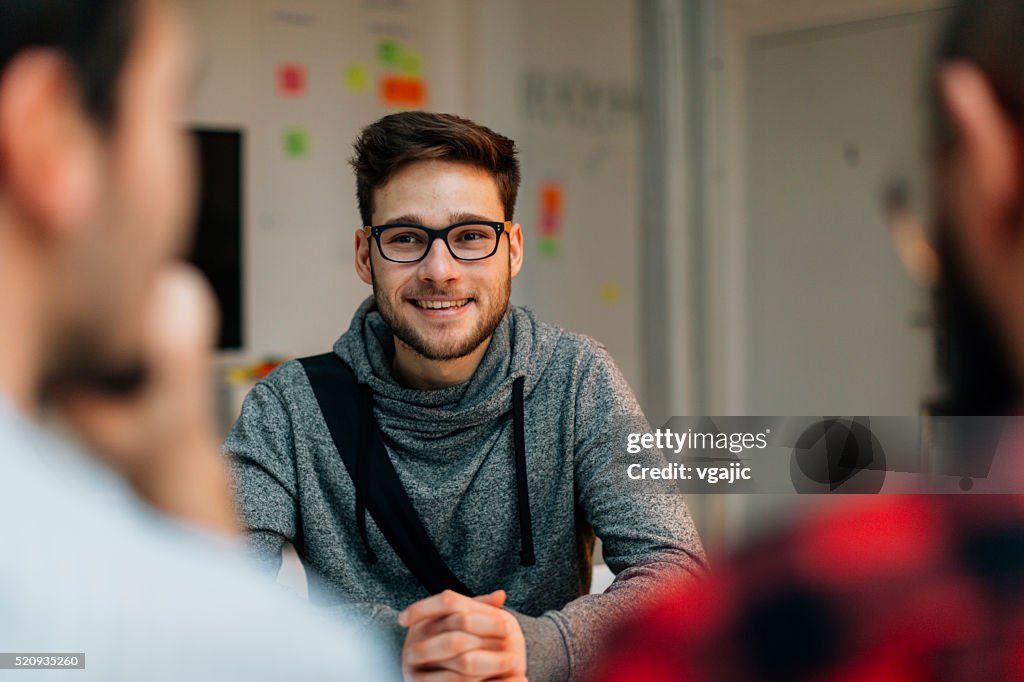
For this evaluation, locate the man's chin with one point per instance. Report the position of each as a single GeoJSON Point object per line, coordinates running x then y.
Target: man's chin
{"type": "Point", "coordinates": [441, 336]}
{"type": "Point", "coordinates": [443, 349]}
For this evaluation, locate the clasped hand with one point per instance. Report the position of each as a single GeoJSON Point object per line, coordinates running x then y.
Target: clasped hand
{"type": "Point", "coordinates": [454, 638]}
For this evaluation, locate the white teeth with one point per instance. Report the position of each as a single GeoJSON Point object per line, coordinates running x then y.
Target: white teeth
{"type": "Point", "coordinates": [440, 305]}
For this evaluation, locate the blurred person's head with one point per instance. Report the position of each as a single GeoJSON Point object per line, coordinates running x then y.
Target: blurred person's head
{"type": "Point", "coordinates": [979, 162]}
{"type": "Point", "coordinates": [436, 170]}
{"type": "Point", "coordinates": [95, 176]}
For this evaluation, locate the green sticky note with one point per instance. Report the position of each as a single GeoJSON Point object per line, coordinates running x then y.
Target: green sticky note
{"type": "Point", "coordinates": [410, 63]}
{"type": "Point", "coordinates": [388, 52]}
{"type": "Point", "coordinates": [296, 143]}
{"type": "Point", "coordinates": [549, 246]}
{"type": "Point", "coordinates": [357, 78]}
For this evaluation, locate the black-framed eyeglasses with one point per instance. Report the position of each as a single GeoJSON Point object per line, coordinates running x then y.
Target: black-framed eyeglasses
{"type": "Point", "coordinates": [408, 242]}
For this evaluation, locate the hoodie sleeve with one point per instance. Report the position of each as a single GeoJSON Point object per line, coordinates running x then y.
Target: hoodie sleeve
{"type": "Point", "coordinates": [262, 455]}
{"type": "Point", "coordinates": [648, 537]}
{"type": "Point", "coordinates": [261, 452]}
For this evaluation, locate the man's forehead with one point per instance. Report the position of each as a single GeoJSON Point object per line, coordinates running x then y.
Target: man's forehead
{"type": "Point", "coordinates": [443, 192]}
{"type": "Point", "coordinates": [443, 169]}
{"type": "Point", "coordinates": [452, 217]}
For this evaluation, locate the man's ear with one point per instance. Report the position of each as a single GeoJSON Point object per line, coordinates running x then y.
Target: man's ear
{"type": "Point", "coordinates": [515, 249]}
{"type": "Point", "coordinates": [49, 149]}
{"type": "Point", "coordinates": [363, 266]}
{"type": "Point", "coordinates": [988, 153]}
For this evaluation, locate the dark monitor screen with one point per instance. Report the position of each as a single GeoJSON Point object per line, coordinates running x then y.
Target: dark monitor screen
{"type": "Point", "coordinates": [217, 246]}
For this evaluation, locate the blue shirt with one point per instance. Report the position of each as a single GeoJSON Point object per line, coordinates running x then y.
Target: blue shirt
{"type": "Point", "coordinates": [85, 567]}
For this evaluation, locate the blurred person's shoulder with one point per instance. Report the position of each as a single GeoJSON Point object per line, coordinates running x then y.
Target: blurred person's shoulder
{"type": "Point", "coordinates": [90, 569]}
{"type": "Point", "coordinates": [873, 586]}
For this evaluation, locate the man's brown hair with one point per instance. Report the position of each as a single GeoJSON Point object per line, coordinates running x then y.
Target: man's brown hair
{"type": "Point", "coordinates": [94, 36]}
{"type": "Point", "coordinates": [400, 139]}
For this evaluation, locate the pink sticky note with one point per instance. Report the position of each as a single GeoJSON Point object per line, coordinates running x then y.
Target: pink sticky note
{"type": "Point", "coordinates": [291, 80]}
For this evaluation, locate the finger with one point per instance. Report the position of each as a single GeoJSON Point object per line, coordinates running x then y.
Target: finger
{"type": "Point", "coordinates": [439, 605]}
{"type": "Point", "coordinates": [480, 623]}
{"type": "Point", "coordinates": [440, 676]}
{"type": "Point", "coordinates": [496, 598]}
{"type": "Point", "coordinates": [180, 324]}
{"type": "Point", "coordinates": [441, 648]}
{"type": "Point", "coordinates": [482, 663]}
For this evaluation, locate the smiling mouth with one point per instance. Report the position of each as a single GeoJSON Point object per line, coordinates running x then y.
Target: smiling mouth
{"type": "Point", "coordinates": [441, 305]}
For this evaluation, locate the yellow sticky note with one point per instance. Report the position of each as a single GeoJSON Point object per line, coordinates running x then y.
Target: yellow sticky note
{"type": "Point", "coordinates": [357, 78]}
{"type": "Point", "coordinates": [410, 63]}
{"type": "Point", "coordinates": [610, 293]}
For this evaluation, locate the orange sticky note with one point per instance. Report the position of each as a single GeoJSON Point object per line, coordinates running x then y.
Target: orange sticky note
{"type": "Point", "coordinates": [403, 91]}
{"type": "Point", "coordinates": [551, 197]}
{"type": "Point", "coordinates": [552, 204]}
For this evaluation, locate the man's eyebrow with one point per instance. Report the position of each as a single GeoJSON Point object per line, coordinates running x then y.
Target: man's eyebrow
{"type": "Point", "coordinates": [463, 217]}
{"type": "Point", "coordinates": [453, 218]}
{"type": "Point", "coordinates": [408, 218]}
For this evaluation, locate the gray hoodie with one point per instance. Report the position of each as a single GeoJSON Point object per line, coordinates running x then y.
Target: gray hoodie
{"type": "Point", "coordinates": [452, 449]}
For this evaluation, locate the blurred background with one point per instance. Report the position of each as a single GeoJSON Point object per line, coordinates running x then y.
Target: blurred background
{"type": "Point", "coordinates": [710, 187]}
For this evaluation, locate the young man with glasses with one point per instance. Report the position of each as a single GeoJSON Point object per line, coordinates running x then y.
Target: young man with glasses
{"type": "Point", "coordinates": [453, 445]}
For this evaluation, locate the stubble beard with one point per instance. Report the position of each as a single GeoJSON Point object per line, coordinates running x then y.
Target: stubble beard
{"type": "Point", "coordinates": [441, 351]}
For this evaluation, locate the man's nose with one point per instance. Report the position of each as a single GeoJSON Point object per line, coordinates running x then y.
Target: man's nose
{"type": "Point", "coordinates": [438, 265]}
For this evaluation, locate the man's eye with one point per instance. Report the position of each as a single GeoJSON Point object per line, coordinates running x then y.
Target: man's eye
{"type": "Point", "coordinates": [471, 236]}
{"type": "Point", "coordinates": [404, 238]}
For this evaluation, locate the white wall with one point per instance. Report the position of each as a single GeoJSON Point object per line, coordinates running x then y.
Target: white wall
{"type": "Point", "coordinates": [740, 25]}
{"type": "Point", "coordinates": [300, 215]}
{"type": "Point", "coordinates": [816, 314]}
{"type": "Point", "coordinates": [580, 129]}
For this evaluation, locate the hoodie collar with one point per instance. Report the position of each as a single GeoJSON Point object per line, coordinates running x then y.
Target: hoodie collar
{"type": "Point", "coordinates": [520, 346]}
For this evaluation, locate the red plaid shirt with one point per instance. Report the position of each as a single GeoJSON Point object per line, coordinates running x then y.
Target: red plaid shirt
{"type": "Point", "coordinates": [908, 588]}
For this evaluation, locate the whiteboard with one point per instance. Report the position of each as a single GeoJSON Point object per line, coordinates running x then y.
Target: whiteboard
{"type": "Point", "coordinates": [477, 59]}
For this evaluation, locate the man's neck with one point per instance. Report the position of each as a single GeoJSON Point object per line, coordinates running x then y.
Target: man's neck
{"type": "Point", "coordinates": [415, 371]}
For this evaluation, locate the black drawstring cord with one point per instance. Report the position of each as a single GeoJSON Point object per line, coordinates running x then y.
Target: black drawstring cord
{"type": "Point", "coordinates": [526, 554]}
{"type": "Point", "coordinates": [527, 557]}
{"type": "Point", "coordinates": [360, 478]}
